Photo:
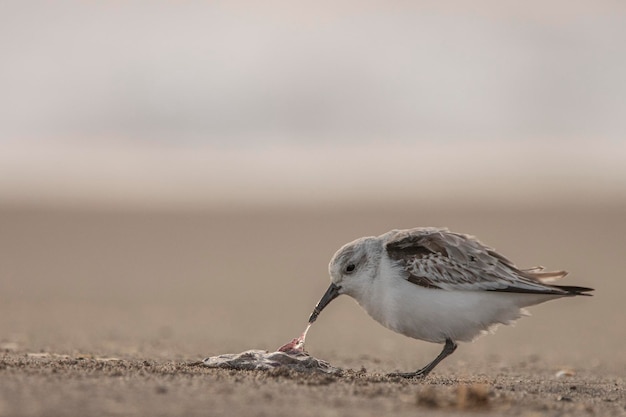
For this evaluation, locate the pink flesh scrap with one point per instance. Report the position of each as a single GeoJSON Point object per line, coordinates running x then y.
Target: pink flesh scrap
{"type": "Point", "coordinates": [296, 345]}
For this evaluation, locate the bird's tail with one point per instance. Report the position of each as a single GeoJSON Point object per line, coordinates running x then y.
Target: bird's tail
{"type": "Point", "coordinates": [537, 274]}
{"type": "Point", "coordinates": [571, 290]}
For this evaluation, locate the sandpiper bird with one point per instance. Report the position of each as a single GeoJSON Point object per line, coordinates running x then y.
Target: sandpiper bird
{"type": "Point", "coordinates": [435, 285]}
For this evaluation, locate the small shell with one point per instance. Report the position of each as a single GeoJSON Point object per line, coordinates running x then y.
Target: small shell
{"type": "Point", "coordinates": [565, 373]}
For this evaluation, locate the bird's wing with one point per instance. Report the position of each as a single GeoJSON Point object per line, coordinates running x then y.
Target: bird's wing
{"type": "Point", "coordinates": [438, 258]}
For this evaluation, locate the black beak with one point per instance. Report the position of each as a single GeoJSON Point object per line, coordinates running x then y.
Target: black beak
{"type": "Point", "coordinates": [331, 293]}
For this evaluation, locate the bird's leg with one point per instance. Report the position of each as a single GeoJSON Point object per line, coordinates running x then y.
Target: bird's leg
{"type": "Point", "coordinates": [448, 348]}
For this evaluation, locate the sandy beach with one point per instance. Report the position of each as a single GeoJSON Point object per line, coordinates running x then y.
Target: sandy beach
{"type": "Point", "coordinates": [104, 313]}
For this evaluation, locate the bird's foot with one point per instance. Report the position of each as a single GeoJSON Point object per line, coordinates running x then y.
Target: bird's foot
{"type": "Point", "coordinates": [409, 375]}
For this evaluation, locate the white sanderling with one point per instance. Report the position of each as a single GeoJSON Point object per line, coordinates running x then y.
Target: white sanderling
{"type": "Point", "coordinates": [435, 285]}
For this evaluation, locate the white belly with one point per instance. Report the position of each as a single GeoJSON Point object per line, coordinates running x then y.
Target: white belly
{"type": "Point", "coordinates": [435, 315]}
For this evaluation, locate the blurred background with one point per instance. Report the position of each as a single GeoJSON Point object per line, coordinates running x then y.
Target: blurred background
{"type": "Point", "coordinates": [175, 175]}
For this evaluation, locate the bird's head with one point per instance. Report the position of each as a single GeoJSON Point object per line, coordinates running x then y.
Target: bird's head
{"type": "Point", "coordinates": [351, 269]}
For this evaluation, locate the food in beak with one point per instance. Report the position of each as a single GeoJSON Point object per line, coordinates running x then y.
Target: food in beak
{"type": "Point", "coordinates": [296, 346]}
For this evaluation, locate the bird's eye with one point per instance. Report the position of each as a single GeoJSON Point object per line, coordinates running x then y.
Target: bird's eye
{"type": "Point", "coordinates": [350, 268]}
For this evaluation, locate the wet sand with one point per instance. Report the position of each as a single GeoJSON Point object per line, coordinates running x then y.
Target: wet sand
{"type": "Point", "coordinates": [102, 313]}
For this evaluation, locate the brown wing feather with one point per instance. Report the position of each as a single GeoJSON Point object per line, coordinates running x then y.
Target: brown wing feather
{"type": "Point", "coordinates": [438, 258]}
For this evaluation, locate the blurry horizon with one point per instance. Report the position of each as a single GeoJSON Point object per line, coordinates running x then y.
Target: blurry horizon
{"type": "Point", "coordinates": [496, 174]}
